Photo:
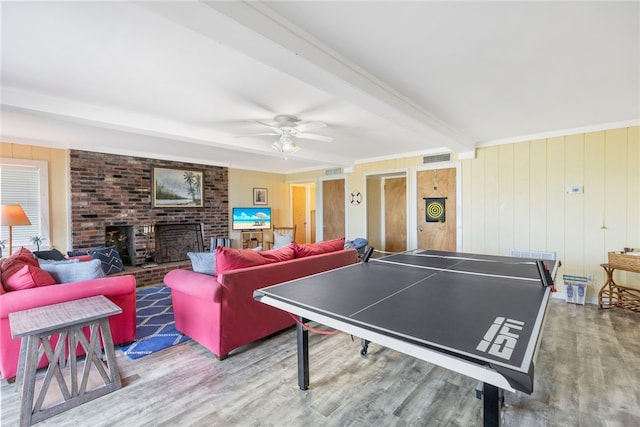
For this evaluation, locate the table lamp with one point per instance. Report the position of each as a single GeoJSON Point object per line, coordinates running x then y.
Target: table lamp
{"type": "Point", "coordinates": [13, 215]}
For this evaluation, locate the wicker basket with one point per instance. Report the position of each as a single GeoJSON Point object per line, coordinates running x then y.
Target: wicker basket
{"type": "Point", "coordinates": [623, 261]}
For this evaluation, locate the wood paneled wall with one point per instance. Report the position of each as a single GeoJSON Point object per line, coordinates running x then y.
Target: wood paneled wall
{"type": "Point", "coordinates": [515, 196]}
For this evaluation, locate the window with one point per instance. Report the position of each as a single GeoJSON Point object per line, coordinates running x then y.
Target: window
{"type": "Point", "coordinates": [25, 183]}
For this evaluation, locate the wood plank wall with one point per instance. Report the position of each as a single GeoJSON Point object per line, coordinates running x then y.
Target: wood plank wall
{"type": "Point", "coordinates": [514, 196]}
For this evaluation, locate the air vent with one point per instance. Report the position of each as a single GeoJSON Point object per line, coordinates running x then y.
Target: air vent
{"type": "Point", "coordinates": [334, 171]}
{"type": "Point", "coordinates": [436, 158]}
{"type": "Point", "coordinates": [519, 253]}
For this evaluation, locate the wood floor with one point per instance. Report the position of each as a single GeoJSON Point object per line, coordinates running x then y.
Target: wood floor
{"type": "Point", "coordinates": [587, 374]}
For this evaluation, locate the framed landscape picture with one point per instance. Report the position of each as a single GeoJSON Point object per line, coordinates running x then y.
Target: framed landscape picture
{"type": "Point", "coordinates": [177, 188]}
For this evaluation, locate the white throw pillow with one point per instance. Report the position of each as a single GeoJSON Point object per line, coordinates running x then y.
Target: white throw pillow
{"type": "Point", "coordinates": [280, 240]}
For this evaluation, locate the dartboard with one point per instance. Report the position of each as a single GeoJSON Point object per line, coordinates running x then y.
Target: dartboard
{"type": "Point", "coordinates": [435, 209]}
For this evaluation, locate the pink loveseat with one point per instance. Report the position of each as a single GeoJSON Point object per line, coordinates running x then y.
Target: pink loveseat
{"type": "Point", "coordinates": [219, 312]}
{"type": "Point", "coordinates": [119, 289]}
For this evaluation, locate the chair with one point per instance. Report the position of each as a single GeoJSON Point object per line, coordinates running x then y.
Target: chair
{"type": "Point", "coordinates": [282, 236]}
{"type": "Point", "coordinates": [220, 241]}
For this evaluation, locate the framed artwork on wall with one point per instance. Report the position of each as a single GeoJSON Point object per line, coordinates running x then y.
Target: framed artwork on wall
{"type": "Point", "coordinates": [259, 196]}
{"type": "Point", "coordinates": [177, 188]}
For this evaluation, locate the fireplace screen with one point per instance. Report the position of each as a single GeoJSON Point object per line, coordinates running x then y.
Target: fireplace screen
{"type": "Point", "coordinates": [173, 241]}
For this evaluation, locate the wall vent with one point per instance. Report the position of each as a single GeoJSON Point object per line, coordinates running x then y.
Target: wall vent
{"type": "Point", "coordinates": [532, 254]}
{"type": "Point", "coordinates": [436, 158]}
{"type": "Point", "coordinates": [334, 171]}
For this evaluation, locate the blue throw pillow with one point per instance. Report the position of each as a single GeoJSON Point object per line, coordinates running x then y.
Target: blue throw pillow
{"type": "Point", "coordinates": [203, 262]}
{"type": "Point", "coordinates": [77, 253]}
{"type": "Point", "coordinates": [73, 271]}
{"type": "Point", "coordinates": [110, 259]}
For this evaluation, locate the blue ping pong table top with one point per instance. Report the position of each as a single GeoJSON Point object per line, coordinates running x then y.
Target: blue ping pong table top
{"type": "Point", "coordinates": [493, 318]}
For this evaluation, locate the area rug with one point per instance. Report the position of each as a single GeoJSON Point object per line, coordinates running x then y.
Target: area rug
{"type": "Point", "coordinates": [155, 324]}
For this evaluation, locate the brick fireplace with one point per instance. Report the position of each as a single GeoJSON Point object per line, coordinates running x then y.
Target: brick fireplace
{"type": "Point", "coordinates": [113, 194]}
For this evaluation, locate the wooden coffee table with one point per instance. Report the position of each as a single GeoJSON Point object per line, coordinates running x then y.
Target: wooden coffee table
{"type": "Point", "coordinates": [37, 327]}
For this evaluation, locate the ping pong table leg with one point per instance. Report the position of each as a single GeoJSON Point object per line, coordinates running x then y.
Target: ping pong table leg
{"type": "Point", "coordinates": [302, 336]}
{"type": "Point", "coordinates": [491, 405]}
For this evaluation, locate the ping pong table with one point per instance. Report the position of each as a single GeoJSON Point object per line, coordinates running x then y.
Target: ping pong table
{"type": "Point", "coordinates": [477, 315]}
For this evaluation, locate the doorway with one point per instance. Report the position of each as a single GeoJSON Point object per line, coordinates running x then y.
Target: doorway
{"type": "Point", "coordinates": [333, 209]}
{"type": "Point", "coordinates": [386, 202]}
{"type": "Point", "coordinates": [303, 212]}
{"type": "Point", "coordinates": [436, 209]}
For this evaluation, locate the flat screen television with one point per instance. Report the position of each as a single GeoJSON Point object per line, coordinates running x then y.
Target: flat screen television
{"type": "Point", "coordinates": [251, 218]}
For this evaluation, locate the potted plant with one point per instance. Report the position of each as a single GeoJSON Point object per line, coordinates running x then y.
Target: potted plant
{"type": "Point", "coordinates": [37, 240]}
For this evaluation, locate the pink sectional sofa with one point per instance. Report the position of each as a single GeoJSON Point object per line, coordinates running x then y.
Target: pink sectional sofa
{"type": "Point", "coordinates": [119, 289]}
{"type": "Point", "coordinates": [219, 312]}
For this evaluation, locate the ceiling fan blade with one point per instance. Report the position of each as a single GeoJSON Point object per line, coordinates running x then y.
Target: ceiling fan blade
{"type": "Point", "coordinates": [304, 127]}
{"type": "Point", "coordinates": [273, 125]}
{"type": "Point", "coordinates": [315, 137]}
{"type": "Point", "coordinates": [259, 134]}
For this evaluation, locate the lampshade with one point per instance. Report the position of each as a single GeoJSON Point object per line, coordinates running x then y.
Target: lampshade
{"type": "Point", "coordinates": [13, 215]}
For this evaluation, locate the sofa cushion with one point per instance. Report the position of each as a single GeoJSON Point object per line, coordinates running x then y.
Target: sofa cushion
{"type": "Point", "coordinates": [25, 276]}
{"type": "Point", "coordinates": [284, 253]}
{"type": "Point", "coordinates": [74, 271]}
{"type": "Point", "coordinates": [52, 254]}
{"type": "Point", "coordinates": [110, 258]}
{"type": "Point", "coordinates": [228, 259]}
{"type": "Point", "coordinates": [203, 262]}
{"type": "Point", "coordinates": [309, 249]}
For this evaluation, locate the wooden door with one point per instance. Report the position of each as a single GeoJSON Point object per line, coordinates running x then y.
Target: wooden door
{"type": "Point", "coordinates": [299, 212]}
{"type": "Point", "coordinates": [437, 183]}
{"type": "Point", "coordinates": [395, 214]}
{"type": "Point", "coordinates": [333, 199]}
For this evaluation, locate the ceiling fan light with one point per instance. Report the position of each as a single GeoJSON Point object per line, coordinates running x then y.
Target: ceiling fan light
{"type": "Point", "coordinates": [285, 146]}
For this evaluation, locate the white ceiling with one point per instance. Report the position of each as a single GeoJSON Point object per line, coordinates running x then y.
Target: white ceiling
{"type": "Point", "coordinates": [182, 80]}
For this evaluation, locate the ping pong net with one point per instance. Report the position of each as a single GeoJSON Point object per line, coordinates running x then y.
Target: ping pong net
{"type": "Point", "coordinates": [464, 264]}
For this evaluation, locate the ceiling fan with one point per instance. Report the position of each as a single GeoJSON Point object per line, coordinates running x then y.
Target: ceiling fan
{"type": "Point", "coordinates": [290, 126]}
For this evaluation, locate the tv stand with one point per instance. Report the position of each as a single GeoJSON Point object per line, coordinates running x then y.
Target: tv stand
{"type": "Point", "coordinates": [252, 238]}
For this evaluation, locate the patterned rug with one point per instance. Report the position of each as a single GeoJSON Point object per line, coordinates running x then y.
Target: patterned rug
{"type": "Point", "coordinates": [155, 324]}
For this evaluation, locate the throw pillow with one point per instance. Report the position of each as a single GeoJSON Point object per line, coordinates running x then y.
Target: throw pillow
{"type": "Point", "coordinates": [21, 256]}
{"type": "Point", "coordinates": [52, 254]}
{"type": "Point", "coordinates": [77, 253]}
{"type": "Point", "coordinates": [203, 262]}
{"type": "Point", "coordinates": [110, 258]}
{"type": "Point", "coordinates": [284, 253]}
{"type": "Point", "coordinates": [309, 249]}
{"type": "Point", "coordinates": [228, 259]}
{"type": "Point", "coordinates": [280, 240]}
{"type": "Point", "coordinates": [25, 276]}
{"type": "Point", "coordinates": [70, 271]}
